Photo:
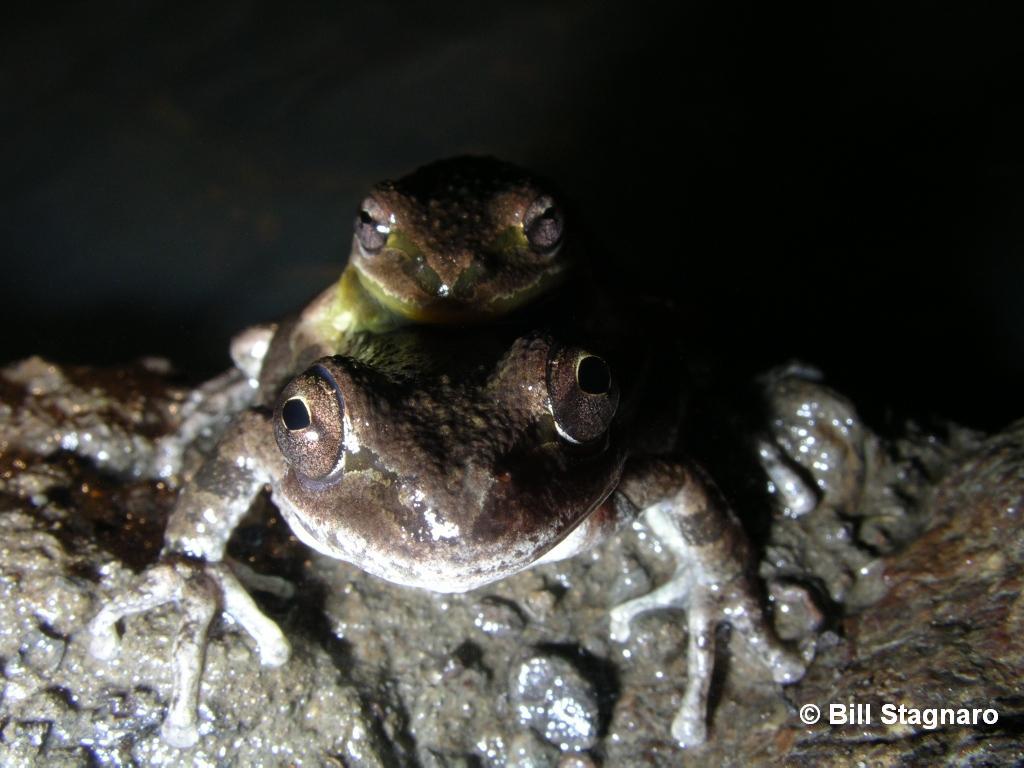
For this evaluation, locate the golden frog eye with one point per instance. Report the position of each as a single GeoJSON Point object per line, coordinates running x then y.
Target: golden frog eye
{"type": "Point", "coordinates": [309, 424]}
{"type": "Point", "coordinates": [583, 394]}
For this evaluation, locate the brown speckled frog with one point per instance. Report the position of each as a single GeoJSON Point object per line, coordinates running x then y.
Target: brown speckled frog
{"type": "Point", "coordinates": [446, 459]}
{"type": "Point", "coordinates": [460, 241]}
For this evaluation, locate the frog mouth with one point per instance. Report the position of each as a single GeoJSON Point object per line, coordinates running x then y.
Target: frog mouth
{"type": "Point", "coordinates": [471, 298]}
{"type": "Point", "coordinates": [428, 299]}
{"type": "Point", "coordinates": [441, 295]}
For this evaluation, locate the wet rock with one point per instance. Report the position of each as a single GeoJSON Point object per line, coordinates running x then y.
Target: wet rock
{"type": "Point", "coordinates": [540, 603]}
{"type": "Point", "coordinates": [551, 697]}
{"type": "Point", "coordinates": [495, 616]}
{"type": "Point", "coordinates": [577, 761]}
{"type": "Point", "coordinates": [382, 675]}
{"type": "Point", "coordinates": [794, 610]}
{"type": "Point", "coordinates": [632, 582]}
{"type": "Point", "coordinates": [111, 419]}
{"type": "Point", "coordinates": [948, 634]}
{"type": "Point", "coordinates": [127, 421]}
{"type": "Point", "coordinates": [527, 750]}
{"type": "Point", "coordinates": [864, 496]}
{"type": "Point", "coordinates": [820, 431]}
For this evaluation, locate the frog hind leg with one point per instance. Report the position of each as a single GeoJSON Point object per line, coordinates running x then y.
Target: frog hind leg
{"type": "Point", "coordinates": [689, 516]}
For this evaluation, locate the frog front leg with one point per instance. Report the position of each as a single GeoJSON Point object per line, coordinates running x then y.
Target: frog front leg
{"type": "Point", "coordinates": [711, 582]}
{"type": "Point", "coordinates": [192, 573]}
{"type": "Point", "coordinates": [209, 406]}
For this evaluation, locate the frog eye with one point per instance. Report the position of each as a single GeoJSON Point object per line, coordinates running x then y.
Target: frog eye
{"type": "Point", "coordinates": [583, 394]}
{"type": "Point", "coordinates": [373, 225]}
{"type": "Point", "coordinates": [543, 225]}
{"type": "Point", "coordinates": [309, 424]}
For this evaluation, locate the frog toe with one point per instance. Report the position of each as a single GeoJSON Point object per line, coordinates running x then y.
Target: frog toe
{"type": "Point", "coordinates": [179, 735]}
{"type": "Point", "coordinates": [673, 593]}
{"type": "Point", "coordinates": [157, 587]}
{"type": "Point", "coordinates": [104, 644]}
{"type": "Point", "coordinates": [261, 582]}
{"type": "Point", "coordinates": [689, 729]}
{"type": "Point", "coordinates": [274, 648]}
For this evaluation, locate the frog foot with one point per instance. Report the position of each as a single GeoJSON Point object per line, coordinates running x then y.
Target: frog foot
{"type": "Point", "coordinates": [710, 583]}
{"type": "Point", "coordinates": [707, 606]}
{"type": "Point", "coordinates": [200, 589]}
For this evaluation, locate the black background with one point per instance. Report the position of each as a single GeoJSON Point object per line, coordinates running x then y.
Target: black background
{"type": "Point", "coordinates": [841, 184]}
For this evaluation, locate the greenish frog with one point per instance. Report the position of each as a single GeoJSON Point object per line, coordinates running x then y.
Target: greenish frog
{"type": "Point", "coordinates": [447, 459]}
{"type": "Point", "coordinates": [460, 241]}
{"type": "Point", "coordinates": [465, 240]}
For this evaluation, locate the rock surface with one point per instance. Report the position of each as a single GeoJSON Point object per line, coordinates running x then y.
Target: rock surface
{"type": "Point", "coordinates": [916, 579]}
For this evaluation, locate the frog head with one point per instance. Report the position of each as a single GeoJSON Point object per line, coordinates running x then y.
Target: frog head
{"type": "Point", "coordinates": [447, 475]}
{"type": "Point", "coordinates": [459, 240]}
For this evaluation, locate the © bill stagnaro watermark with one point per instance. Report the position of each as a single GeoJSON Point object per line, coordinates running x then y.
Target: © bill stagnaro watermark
{"type": "Point", "coordinates": [928, 718]}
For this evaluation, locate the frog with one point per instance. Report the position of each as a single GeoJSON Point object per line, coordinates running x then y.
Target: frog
{"type": "Point", "coordinates": [446, 461]}
{"type": "Point", "coordinates": [463, 240]}
{"type": "Point", "coordinates": [460, 241]}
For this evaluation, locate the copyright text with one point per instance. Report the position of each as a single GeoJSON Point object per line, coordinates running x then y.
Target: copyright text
{"type": "Point", "coordinates": [928, 718]}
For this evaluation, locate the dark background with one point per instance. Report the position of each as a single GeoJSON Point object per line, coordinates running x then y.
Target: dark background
{"type": "Point", "coordinates": [840, 184]}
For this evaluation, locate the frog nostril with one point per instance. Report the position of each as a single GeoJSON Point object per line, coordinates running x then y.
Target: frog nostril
{"type": "Point", "coordinates": [295, 414]}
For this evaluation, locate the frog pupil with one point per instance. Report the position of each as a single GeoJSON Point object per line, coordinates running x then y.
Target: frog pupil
{"type": "Point", "coordinates": [593, 376]}
{"type": "Point", "coordinates": [295, 415]}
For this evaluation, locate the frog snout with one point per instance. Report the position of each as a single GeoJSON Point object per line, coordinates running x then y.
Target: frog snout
{"type": "Point", "coordinates": [457, 275]}
{"type": "Point", "coordinates": [450, 267]}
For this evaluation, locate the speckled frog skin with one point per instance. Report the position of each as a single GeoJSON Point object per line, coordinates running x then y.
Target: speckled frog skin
{"type": "Point", "coordinates": [460, 241]}
{"type": "Point", "coordinates": [446, 460]}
